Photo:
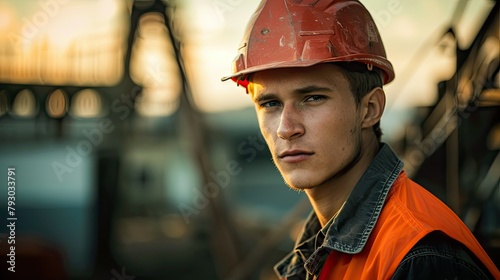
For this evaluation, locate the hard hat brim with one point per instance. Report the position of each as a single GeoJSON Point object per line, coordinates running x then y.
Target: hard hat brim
{"type": "Point", "coordinates": [380, 63]}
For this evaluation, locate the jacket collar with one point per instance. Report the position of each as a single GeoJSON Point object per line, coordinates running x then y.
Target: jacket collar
{"type": "Point", "coordinates": [349, 231]}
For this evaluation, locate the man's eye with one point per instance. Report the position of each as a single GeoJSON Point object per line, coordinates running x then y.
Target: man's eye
{"type": "Point", "coordinates": [270, 104]}
{"type": "Point", "coordinates": [315, 98]}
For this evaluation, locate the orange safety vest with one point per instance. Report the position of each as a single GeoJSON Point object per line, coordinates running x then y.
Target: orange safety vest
{"type": "Point", "coordinates": [409, 214]}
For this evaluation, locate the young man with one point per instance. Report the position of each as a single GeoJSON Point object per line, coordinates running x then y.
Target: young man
{"type": "Point", "coordinates": [315, 71]}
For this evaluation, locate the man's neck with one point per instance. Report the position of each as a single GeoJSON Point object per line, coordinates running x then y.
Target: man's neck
{"type": "Point", "coordinates": [328, 198]}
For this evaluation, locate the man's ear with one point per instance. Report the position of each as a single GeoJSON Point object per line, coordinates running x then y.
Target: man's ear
{"type": "Point", "coordinates": [373, 107]}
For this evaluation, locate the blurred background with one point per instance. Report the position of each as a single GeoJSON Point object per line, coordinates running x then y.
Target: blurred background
{"type": "Point", "coordinates": [134, 161]}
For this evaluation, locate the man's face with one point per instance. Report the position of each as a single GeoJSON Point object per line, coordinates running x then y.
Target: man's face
{"type": "Point", "coordinates": [310, 121]}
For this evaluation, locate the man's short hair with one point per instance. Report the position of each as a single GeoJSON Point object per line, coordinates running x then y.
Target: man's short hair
{"type": "Point", "coordinates": [362, 81]}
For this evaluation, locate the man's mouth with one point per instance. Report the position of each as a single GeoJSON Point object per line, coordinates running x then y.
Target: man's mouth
{"type": "Point", "coordinates": [294, 156]}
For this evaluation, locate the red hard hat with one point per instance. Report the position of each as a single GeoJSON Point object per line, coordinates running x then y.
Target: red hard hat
{"type": "Point", "coordinates": [301, 33]}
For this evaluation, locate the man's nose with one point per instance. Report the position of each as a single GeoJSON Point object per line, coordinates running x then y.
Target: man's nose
{"type": "Point", "coordinates": [290, 126]}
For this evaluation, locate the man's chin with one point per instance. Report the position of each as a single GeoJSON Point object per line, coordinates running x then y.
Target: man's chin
{"type": "Point", "coordinates": [299, 179]}
{"type": "Point", "coordinates": [299, 186]}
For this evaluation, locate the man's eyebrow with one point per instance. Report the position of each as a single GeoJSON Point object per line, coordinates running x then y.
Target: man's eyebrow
{"type": "Point", "coordinates": [265, 97]}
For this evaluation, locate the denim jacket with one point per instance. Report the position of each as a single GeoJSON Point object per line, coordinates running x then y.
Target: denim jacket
{"type": "Point", "coordinates": [430, 257]}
